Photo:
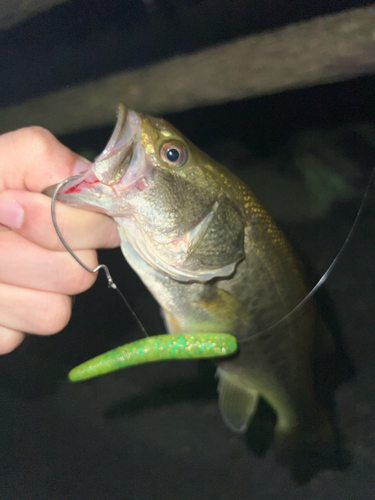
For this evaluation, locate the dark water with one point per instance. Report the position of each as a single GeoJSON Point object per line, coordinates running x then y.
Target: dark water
{"type": "Point", "coordinates": [154, 432]}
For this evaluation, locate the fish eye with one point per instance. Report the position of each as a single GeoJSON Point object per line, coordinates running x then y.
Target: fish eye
{"type": "Point", "coordinates": [174, 153]}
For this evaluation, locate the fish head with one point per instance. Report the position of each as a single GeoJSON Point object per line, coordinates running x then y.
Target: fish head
{"type": "Point", "coordinates": [168, 198]}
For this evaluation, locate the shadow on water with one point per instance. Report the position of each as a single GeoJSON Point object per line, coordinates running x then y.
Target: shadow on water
{"type": "Point", "coordinates": [200, 388]}
{"type": "Point", "coordinates": [31, 374]}
{"type": "Point", "coordinates": [259, 436]}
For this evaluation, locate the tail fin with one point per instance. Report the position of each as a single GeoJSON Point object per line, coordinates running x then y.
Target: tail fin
{"type": "Point", "coordinates": [308, 450]}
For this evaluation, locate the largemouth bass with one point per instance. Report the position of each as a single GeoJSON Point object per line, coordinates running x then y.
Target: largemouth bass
{"type": "Point", "coordinates": [215, 261]}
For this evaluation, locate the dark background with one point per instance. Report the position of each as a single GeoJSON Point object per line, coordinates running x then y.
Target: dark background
{"type": "Point", "coordinates": [154, 432]}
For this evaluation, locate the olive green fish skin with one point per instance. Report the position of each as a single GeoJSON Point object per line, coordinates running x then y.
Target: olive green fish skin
{"type": "Point", "coordinates": [215, 261]}
{"type": "Point", "coordinates": [156, 348]}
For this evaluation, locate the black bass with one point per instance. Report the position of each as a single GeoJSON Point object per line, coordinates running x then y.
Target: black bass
{"type": "Point", "coordinates": [215, 261]}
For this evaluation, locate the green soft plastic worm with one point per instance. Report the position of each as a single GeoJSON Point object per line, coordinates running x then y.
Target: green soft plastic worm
{"type": "Point", "coordinates": [157, 348]}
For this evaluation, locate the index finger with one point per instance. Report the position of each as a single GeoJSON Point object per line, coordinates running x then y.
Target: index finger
{"type": "Point", "coordinates": [81, 229]}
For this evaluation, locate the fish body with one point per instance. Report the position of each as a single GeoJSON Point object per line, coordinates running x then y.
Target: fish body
{"type": "Point", "coordinates": [215, 261]}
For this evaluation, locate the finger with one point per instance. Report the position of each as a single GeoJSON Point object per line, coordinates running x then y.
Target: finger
{"type": "Point", "coordinates": [33, 311]}
{"type": "Point", "coordinates": [24, 264]}
{"type": "Point", "coordinates": [81, 229]}
{"type": "Point", "coordinates": [9, 339]}
{"type": "Point", "coordinates": [33, 159]}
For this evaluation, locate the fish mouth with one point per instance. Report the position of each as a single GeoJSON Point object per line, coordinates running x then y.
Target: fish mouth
{"type": "Point", "coordinates": [120, 166]}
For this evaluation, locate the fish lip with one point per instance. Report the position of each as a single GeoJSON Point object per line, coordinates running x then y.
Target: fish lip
{"type": "Point", "coordinates": [74, 181]}
{"type": "Point", "coordinates": [89, 193]}
{"type": "Point", "coordinates": [112, 164]}
{"type": "Point", "coordinates": [122, 119]}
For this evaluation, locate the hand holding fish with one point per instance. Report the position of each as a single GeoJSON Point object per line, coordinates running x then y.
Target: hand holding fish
{"type": "Point", "coordinates": [37, 275]}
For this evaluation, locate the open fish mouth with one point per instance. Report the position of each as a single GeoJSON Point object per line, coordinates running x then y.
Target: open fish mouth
{"type": "Point", "coordinates": [119, 167]}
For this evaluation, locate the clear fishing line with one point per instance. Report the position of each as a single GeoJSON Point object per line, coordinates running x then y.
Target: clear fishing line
{"type": "Point", "coordinates": [111, 283]}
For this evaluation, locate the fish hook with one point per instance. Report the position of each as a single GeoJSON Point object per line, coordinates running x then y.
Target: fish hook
{"type": "Point", "coordinates": [111, 283]}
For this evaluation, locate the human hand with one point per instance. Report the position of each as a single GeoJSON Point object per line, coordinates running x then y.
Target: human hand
{"type": "Point", "coordinates": [37, 274]}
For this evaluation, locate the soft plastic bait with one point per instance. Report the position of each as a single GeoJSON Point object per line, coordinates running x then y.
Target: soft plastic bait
{"type": "Point", "coordinates": [157, 348]}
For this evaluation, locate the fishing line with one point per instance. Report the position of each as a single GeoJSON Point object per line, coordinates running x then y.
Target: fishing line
{"type": "Point", "coordinates": [111, 283]}
{"type": "Point", "coordinates": [323, 279]}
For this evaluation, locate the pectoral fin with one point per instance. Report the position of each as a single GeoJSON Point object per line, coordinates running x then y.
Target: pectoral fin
{"type": "Point", "coordinates": [237, 401]}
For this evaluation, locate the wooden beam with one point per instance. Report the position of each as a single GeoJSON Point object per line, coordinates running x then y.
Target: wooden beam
{"type": "Point", "coordinates": [13, 12]}
{"type": "Point", "coordinates": [325, 49]}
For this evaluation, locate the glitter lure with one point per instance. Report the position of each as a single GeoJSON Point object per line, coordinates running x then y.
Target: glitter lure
{"type": "Point", "coordinates": [157, 348]}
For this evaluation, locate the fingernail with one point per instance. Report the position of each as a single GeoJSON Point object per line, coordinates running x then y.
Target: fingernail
{"type": "Point", "coordinates": [11, 213]}
{"type": "Point", "coordinates": [81, 165]}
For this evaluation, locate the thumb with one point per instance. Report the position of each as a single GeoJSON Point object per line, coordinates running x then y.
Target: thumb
{"type": "Point", "coordinates": [32, 159]}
